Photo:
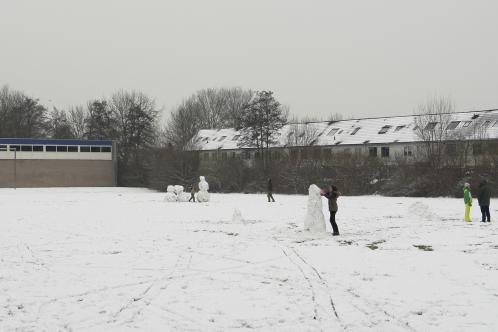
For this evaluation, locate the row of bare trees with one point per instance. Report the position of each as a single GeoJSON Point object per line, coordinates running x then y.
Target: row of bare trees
{"type": "Point", "coordinates": [128, 117]}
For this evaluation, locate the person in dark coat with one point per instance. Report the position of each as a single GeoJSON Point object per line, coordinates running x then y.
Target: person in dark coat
{"type": "Point", "coordinates": [332, 194]}
{"type": "Point", "coordinates": [269, 192]}
{"type": "Point", "coordinates": [192, 193]}
{"type": "Point", "coordinates": [484, 198]}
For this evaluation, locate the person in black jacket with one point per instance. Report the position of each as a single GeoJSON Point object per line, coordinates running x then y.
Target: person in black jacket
{"type": "Point", "coordinates": [484, 198]}
{"type": "Point", "coordinates": [269, 192]}
{"type": "Point", "coordinates": [332, 194]}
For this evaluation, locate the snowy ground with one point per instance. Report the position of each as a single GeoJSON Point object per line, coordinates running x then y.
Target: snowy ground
{"type": "Point", "coordinates": [117, 259]}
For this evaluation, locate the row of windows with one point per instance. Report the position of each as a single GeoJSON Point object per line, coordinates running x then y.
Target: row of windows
{"type": "Point", "coordinates": [325, 153]}
{"type": "Point", "coordinates": [55, 148]}
{"type": "Point", "coordinates": [294, 154]}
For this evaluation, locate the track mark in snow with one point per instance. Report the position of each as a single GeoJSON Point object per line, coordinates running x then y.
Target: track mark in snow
{"type": "Point", "coordinates": [145, 298]}
{"type": "Point", "coordinates": [320, 292]}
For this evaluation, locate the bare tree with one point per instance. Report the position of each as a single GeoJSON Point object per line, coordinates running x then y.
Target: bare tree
{"type": "Point", "coordinates": [301, 134]}
{"type": "Point", "coordinates": [58, 125]}
{"type": "Point", "coordinates": [77, 120]}
{"type": "Point", "coordinates": [335, 117]}
{"type": "Point", "coordinates": [431, 126]}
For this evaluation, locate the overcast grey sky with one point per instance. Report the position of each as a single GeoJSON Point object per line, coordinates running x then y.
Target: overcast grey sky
{"type": "Point", "coordinates": [359, 58]}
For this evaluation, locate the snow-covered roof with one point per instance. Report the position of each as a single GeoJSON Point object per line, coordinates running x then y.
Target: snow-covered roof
{"type": "Point", "coordinates": [383, 130]}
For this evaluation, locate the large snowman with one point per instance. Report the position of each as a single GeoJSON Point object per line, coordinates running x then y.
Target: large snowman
{"type": "Point", "coordinates": [315, 220]}
{"type": "Point", "coordinates": [203, 195]}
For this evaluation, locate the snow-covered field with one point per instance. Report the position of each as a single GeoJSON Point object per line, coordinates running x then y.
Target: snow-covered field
{"type": "Point", "coordinates": [115, 259]}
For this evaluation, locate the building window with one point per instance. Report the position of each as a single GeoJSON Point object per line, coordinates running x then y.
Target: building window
{"type": "Point", "coordinates": [486, 123]}
{"type": "Point", "coordinates": [408, 151]}
{"type": "Point", "coordinates": [398, 128]}
{"type": "Point", "coordinates": [3, 147]}
{"type": "Point", "coordinates": [466, 123]}
{"type": "Point", "coordinates": [384, 152]}
{"type": "Point", "coordinates": [453, 125]}
{"type": "Point", "coordinates": [384, 129]}
{"type": "Point", "coordinates": [222, 138]}
{"type": "Point", "coordinates": [61, 148]}
{"type": "Point", "coordinates": [50, 148]}
{"type": "Point", "coordinates": [477, 149]}
{"type": "Point", "coordinates": [333, 131]}
{"type": "Point", "coordinates": [355, 130]}
{"type": "Point", "coordinates": [106, 149]}
{"type": "Point", "coordinates": [27, 148]}
{"type": "Point", "coordinates": [37, 148]}
{"type": "Point", "coordinates": [236, 137]}
{"type": "Point", "coordinates": [83, 148]}
{"type": "Point", "coordinates": [496, 124]}
{"type": "Point", "coordinates": [431, 126]}
{"type": "Point", "coordinates": [95, 149]}
{"type": "Point", "coordinates": [72, 148]}
{"type": "Point", "coordinates": [372, 151]}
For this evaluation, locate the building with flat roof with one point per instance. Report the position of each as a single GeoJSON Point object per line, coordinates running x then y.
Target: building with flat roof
{"type": "Point", "coordinates": [27, 162]}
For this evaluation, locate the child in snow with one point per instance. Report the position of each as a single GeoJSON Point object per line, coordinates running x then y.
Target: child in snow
{"type": "Point", "coordinates": [332, 194]}
{"type": "Point", "coordinates": [467, 199]}
{"type": "Point", "coordinates": [192, 193]}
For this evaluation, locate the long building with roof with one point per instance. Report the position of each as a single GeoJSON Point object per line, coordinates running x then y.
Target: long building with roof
{"type": "Point", "coordinates": [26, 162]}
{"type": "Point", "coordinates": [388, 138]}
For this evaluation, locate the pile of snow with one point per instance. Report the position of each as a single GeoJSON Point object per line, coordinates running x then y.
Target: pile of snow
{"type": "Point", "coordinates": [237, 216]}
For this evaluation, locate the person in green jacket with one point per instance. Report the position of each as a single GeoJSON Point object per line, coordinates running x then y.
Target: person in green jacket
{"type": "Point", "coordinates": [484, 197]}
{"type": "Point", "coordinates": [467, 199]}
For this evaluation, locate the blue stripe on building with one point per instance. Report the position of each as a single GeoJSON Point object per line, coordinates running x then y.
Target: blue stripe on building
{"type": "Point", "coordinates": [44, 141]}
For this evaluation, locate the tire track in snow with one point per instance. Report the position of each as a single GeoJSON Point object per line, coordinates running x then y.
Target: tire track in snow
{"type": "Point", "coordinates": [145, 298]}
{"type": "Point", "coordinates": [323, 305]}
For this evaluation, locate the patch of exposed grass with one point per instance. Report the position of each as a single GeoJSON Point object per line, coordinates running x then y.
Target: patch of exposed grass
{"type": "Point", "coordinates": [423, 247]}
{"type": "Point", "coordinates": [374, 245]}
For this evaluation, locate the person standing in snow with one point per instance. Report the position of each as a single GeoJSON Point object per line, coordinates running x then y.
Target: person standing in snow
{"type": "Point", "coordinates": [484, 197]}
{"type": "Point", "coordinates": [332, 194]}
{"type": "Point", "coordinates": [467, 199]}
{"type": "Point", "coordinates": [269, 192]}
{"type": "Point", "coordinates": [192, 193]}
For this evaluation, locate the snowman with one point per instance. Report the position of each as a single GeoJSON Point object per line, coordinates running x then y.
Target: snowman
{"type": "Point", "coordinates": [315, 220]}
{"type": "Point", "coordinates": [203, 195]}
{"type": "Point", "coordinates": [170, 194]}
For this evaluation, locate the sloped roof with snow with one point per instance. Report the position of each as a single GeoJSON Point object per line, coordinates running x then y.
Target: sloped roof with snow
{"type": "Point", "coordinates": [383, 130]}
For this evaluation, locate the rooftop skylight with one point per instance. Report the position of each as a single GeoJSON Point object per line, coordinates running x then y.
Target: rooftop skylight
{"type": "Point", "coordinates": [384, 129]}
{"type": "Point", "coordinates": [333, 131]}
{"type": "Point", "coordinates": [431, 126]}
{"type": "Point", "coordinates": [453, 125]}
{"type": "Point", "coordinates": [355, 130]}
{"type": "Point", "coordinates": [398, 128]}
